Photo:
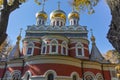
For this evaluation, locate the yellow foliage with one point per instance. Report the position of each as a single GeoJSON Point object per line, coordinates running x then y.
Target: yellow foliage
{"type": "Point", "coordinates": [36, 1]}
{"type": "Point", "coordinates": [1, 2]}
{"type": "Point", "coordinates": [22, 1]}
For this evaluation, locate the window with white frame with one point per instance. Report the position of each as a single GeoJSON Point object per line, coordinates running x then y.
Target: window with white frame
{"type": "Point", "coordinates": [44, 48]}
{"type": "Point", "coordinates": [30, 49]}
{"type": "Point", "coordinates": [64, 48]}
{"type": "Point", "coordinates": [79, 49]}
{"type": "Point", "coordinates": [54, 46]}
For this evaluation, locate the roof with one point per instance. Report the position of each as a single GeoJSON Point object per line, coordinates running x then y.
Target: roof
{"type": "Point", "coordinates": [95, 53]}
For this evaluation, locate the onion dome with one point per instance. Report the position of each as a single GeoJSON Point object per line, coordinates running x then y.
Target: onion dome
{"type": "Point", "coordinates": [73, 14]}
{"type": "Point", "coordinates": [58, 13]}
{"type": "Point", "coordinates": [42, 14]}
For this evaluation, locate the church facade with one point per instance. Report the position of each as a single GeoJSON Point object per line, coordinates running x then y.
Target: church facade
{"type": "Point", "coordinates": [56, 52]}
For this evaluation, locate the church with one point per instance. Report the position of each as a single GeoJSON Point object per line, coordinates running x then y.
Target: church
{"type": "Point", "coordinates": [56, 52]}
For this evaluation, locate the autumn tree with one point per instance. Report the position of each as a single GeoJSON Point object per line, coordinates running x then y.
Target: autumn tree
{"type": "Point", "coordinates": [113, 56]}
{"type": "Point", "coordinates": [6, 8]}
{"type": "Point", "coordinates": [5, 48]}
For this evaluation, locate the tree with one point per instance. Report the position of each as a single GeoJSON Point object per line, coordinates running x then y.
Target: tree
{"type": "Point", "coordinates": [5, 48]}
{"type": "Point", "coordinates": [6, 8]}
{"type": "Point", "coordinates": [113, 56]}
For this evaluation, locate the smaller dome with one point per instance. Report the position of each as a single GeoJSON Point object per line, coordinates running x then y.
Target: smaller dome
{"type": "Point", "coordinates": [58, 13]}
{"type": "Point", "coordinates": [42, 14]}
{"type": "Point", "coordinates": [73, 14]}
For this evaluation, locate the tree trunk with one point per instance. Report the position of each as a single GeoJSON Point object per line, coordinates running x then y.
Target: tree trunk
{"type": "Point", "coordinates": [4, 17]}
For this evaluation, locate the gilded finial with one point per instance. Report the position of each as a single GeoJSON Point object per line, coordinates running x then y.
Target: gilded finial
{"type": "Point", "coordinates": [58, 5]}
{"type": "Point", "coordinates": [19, 37]}
{"type": "Point", "coordinates": [92, 37]}
{"type": "Point", "coordinates": [43, 5]}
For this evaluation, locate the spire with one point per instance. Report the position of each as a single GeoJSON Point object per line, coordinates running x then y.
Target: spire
{"type": "Point", "coordinates": [58, 5]}
{"type": "Point", "coordinates": [19, 37]}
{"type": "Point", "coordinates": [15, 52]}
{"type": "Point", "coordinates": [95, 53]}
{"type": "Point", "coordinates": [43, 5]}
{"type": "Point", "coordinates": [73, 8]}
{"type": "Point", "coordinates": [92, 37]}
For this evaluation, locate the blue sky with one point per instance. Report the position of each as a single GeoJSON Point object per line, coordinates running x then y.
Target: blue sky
{"type": "Point", "coordinates": [99, 21]}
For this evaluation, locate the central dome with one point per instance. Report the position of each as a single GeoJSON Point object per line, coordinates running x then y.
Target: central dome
{"type": "Point", "coordinates": [59, 14]}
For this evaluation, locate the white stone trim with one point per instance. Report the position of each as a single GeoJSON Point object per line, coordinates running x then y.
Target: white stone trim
{"type": "Point", "coordinates": [26, 74]}
{"type": "Point", "coordinates": [89, 73]}
{"type": "Point", "coordinates": [16, 71]}
{"type": "Point", "coordinates": [99, 75]}
{"type": "Point", "coordinates": [75, 73]}
{"type": "Point", "coordinates": [48, 72]}
{"type": "Point", "coordinates": [14, 65]}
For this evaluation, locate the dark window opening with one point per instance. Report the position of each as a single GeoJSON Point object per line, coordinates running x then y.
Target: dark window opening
{"type": "Point", "coordinates": [50, 77]}
{"type": "Point", "coordinates": [74, 77]}
{"type": "Point", "coordinates": [53, 48]}
{"type": "Point", "coordinates": [79, 51]}
{"type": "Point", "coordinates": [43, 51]}
{"type": "Point", "coordinates": [29, 51]}
{"type": "Point", "coordinates": [64, 50]}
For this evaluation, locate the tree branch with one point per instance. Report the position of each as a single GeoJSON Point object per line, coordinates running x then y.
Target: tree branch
{"type": "Point", "coordinates": [15, 5]}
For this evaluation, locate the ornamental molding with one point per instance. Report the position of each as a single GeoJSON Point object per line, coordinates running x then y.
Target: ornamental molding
{"type": "Point", "coordinates": [42, 28]}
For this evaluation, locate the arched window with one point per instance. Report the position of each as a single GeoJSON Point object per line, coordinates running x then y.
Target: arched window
{"type": "Point", "coordinates": [79, 49]}
{"type": "Point", "coordinates": [70, 22]}
{"type": "Point", "coordinates": [30, 49]}
{"type": "Point", "coordinates": [74, 22]}
{"type": "Point", "coordinates": [89, 76]}
{"type": "Point", "coordinates": [16, 75]}
{"type": "Point", "coordinates": [74, 77]}
{"type": "Point", "coordinates": [40, 21]}
{"type": "Point", "coordinates": [61, 23]}
{"type": "Point", "coordinates": [99, 76]}
{"type": "Point", "coordinates": [54, 46]}
{"type": "Point", "coordinates": [57, 23]}
{"type": "Point", "coordinates": [53, 23]}
{"type": "Point", "coordinates": [64, 48]}
{"type": "Point", "coordinates": [44, 48]}
{"type": "Point", "coordinates": [43, 22]}
{"type": "Point", "coordinates": [50, 76]}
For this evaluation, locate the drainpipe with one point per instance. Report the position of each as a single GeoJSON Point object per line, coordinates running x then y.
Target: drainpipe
{"type": "Point", "coordinates": [23, 64]}
{"type": "Point", "coordinates": [82, 70]}
{"type": "Point", "coordinates": [103, 72]}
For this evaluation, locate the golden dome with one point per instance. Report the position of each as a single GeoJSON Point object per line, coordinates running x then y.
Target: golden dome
{"type": "Point", "coordinates": [73, 14]}
{"type": "Point", "coordinates": [58, 13]}
{"type": "Point", "coordinates": [42, 14]}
